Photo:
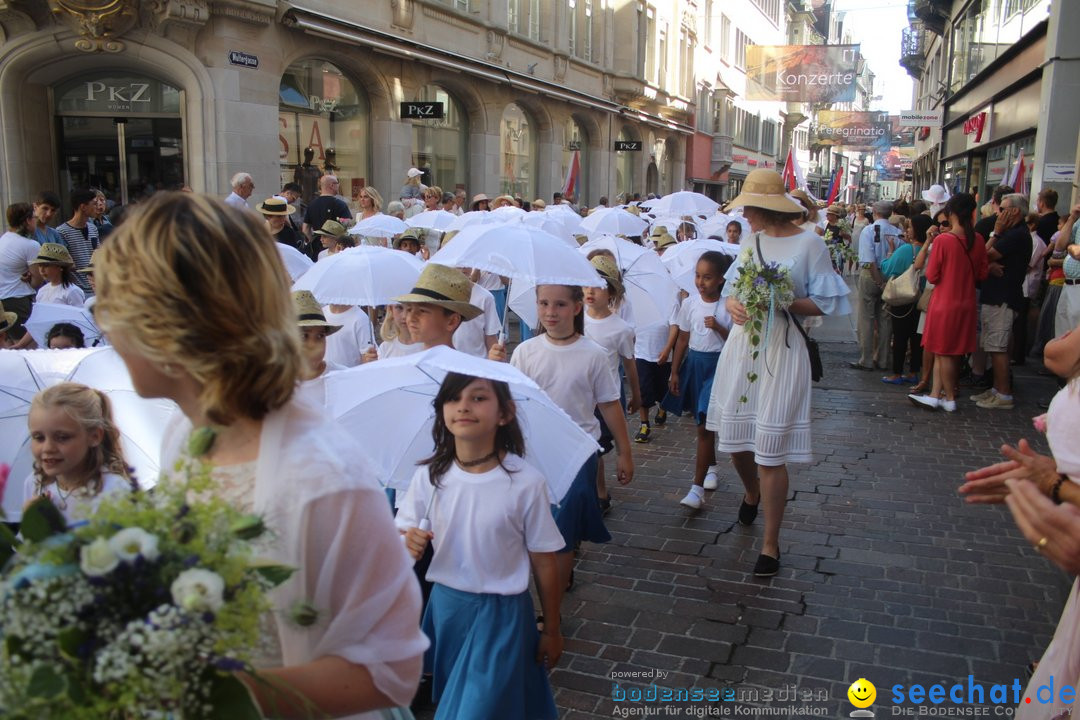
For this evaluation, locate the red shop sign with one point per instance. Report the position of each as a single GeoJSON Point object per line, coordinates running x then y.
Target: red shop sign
{"type": "Point", "coordinates": [975, 124]}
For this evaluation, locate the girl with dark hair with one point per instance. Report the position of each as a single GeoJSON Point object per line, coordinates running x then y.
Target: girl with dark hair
{"type": "Point", "coordinates": [957, 263]}
{"type": "Point", "coordinates": [487, 514]}
{"type": "Point", "coordinates": [905, 317]}
{"type": "Point", "coordinates": [63, 336]}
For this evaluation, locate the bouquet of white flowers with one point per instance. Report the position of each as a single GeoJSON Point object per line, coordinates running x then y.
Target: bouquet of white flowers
{"type": "Point", "coordinates": [764, 289]}
{"type": "Point", "coordinates": [151, 606]}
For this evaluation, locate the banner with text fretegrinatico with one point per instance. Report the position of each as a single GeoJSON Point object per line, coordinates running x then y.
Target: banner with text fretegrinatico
{"type": "Point", "coordinates": [802, 73]}
{"type": "Point", "coordinates": [853, 130]}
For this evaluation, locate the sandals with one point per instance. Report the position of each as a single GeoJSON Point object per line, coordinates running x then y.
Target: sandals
{"type": "Point", "coordinates": [920, 389]}
{"type": "Point", "coordinates": [898, 380]}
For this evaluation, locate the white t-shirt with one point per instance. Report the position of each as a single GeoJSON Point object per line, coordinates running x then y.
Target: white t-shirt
{"type": "Point", "coordinates": [355, 336]}
{"type": "Point", "coordinates": [79, 504]}
{"type": "Point", "coordinates": [577, 376]}
{"type": "Point", "coordinates": [60, 295]}
{"type": "Point", "coordinates": [16, 254]}
{"type": "Point", "coordinates": [396, 348]}
{"type": "Point", "coordinates": [615, 336]}
{"type": "Point", "coordinates": [650, 341]}
{"type": "Point", "coordinates": [485, 525]}
{"type": "Point", "coordinates": [692, 316]}
{"type": "Point", "coordinates": [469, 337]}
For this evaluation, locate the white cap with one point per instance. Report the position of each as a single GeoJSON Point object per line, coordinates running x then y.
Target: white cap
{"type": "Point", "coordinates": [935, 194]}
{"type": "Point", "coordinates": [413, 172]}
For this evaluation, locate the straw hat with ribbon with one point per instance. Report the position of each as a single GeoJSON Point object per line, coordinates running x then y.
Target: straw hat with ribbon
{"type": "Point", "coordinates": [661, 238]}
{"type": "Point", "coordinates": [444, 286]}
{"type": "Point", "coordinates": [275, 205]}
{"type": "Point", "coordinates": [414, 233]}
{"type": "Point", "coordinates": [609, 270]}
{"type": "Point", "coordinates": [477, 199]}
{"type": "Point", "coordinates": [310, 313]}
{"type": "Point", "coordinates": [53, 254]}
{"type": "Point", "coordinates": [837, 210]}
{"type": "Point", "coordinates": [538, 203]}
{"type": "Point", "coordinates": [7, 319]}
{"type": "Point", "coordinates": [90, 265]}
{"type": "Point", "coordinates": [765, 189]}
{"type": "Point", "coordinates": [332, 228]}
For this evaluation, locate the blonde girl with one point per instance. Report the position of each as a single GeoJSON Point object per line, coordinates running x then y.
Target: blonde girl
{"type": "Point", "coordinates": [370, 202]}
{"type": "Point", "coordinates": [396, 340]}
{"type": "Point", "coordinates": [76, 448]}
{"type": "Point", "coordinates": [57, 269]}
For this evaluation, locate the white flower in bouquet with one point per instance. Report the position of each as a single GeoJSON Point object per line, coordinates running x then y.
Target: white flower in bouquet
{"type": "Point", "coordinates": [133, 542]}
{"type": "Point", "coordinates": [98, 558]}
{"type": "Point", "coordinates": [197, 590]}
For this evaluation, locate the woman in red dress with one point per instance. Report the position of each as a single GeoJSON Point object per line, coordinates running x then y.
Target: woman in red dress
{"type": "Point", "coordinates": [957, 262]}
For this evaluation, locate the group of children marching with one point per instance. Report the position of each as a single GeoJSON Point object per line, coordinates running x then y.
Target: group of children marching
{"type": "Point", "coordinates": [483, 509]}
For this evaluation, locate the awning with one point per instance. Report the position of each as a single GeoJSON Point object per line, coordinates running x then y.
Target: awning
{"type": "Point", "coordinates": [323, 25]}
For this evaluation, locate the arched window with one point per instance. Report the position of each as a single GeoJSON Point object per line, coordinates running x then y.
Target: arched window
{"type": "Point", "coordinates": [440, 146]}
{"type": "Point", "coordinates": [575, 145]}
{"type": "Point", "coordinates": [321, 110]}
{"type": "Point", "coordinates": [625, 162]}
{"type": "Point", "coordinates": [517, 147]}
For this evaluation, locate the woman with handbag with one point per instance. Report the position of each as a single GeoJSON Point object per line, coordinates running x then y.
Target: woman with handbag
{"type": "Point", "coordinates": [765, 424]}
{"type": "Point", "coordinates": [900, 266]}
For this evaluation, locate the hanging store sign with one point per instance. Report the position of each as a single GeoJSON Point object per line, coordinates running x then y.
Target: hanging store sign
{"type": "Point", "coordinates": [802, 73]}
{"type": "Point", "coordinates": [921, 118]}
{"type": "Point", "coordinates": [422, 111]}
{"type": "Point", "coordinates": [116, 94]}
{"type": "Point", "coordinates": [977, 127]}
{"type": "Point", "coordinates": [628, 146]}
{"type": "Point", "coordinates": [855, 130]}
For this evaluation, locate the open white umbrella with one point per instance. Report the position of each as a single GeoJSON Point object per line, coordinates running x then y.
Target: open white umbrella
{"type": "Point", "coordinates": [381, 225]}
{"type": "Point", "coordinates": [613, 221]}
{"type": "Point", "coordinates": [507, 212]}
{"type": "Point", "coordinates": [519, 251]}
{"type": "Point", "coordinates": [23, 373]}
{"type": "Point", "coordinates": [684, 202]}
{"type": "Point", "coordinates": [473, 217]}
{"type": "Point", "coordinates": [365, 275]}
{"type": "Point", "coordinates": [45, 315]}
{"type": "Point", "coordinates": [651, 292]}
{"type": "Point", "coordinates": [717, 225]}
{"type": "Point", "coordinates": [296, 262]}
{"type": "Point", "coordinates": [432, 220]}
{"type": "Point", "coordinates": [549, 224]}
{"type": "Point", "coordinates": [673, 222]}
{"type": "Point", "coordinates": [681, 259]}
{"type": "Point", "coordinates": [364, 399]}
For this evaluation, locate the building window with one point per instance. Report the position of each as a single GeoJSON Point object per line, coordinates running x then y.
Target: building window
{"type": "Point", "coordinates": [534, 19]}
{"type": "Point", "coordinates": [462, 5]}
{"type": "Point", "coordinates": [661, 61]}
{"type": "Point", "coordinates": [770, 8]}
{"type": "Point", "coordinates": [741, 41]}
{"type": "Point", "coordinates": [571, 10]}
{"type": "Point", "coordinates": [440, 147]}
{"type": "Point", "coordinates": [587, 49]}
{"type": "Point", "coordinates": [725, 38]}
{"type": "Point", "coordinates": [320, 109]}
{"type": "Point", "coordinates": [518, 150]}
{"type": "Point", "coordinates": [686, 65]}
{"type": "Point", "coordinates": [576, 142]}
{"type": "Point", "coordinates": [708, 23]}
{"type": "Point", "coordinates": [624, 166]}
{"type": "Point", "coordinates": [768, 137]}
{"type": "Point", "coordinates": [705, 110]}
{"type": "Point", "coordinates": [513, 15]}
{"type": "Point", "coordinates": [650, 45]}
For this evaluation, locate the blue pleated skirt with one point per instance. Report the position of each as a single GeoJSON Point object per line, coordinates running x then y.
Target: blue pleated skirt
{"type": "Point", "coordinates": [695, 385]}
{"type": "Point", "coordinates": [483, 657]}
{"type": "Point", "coordinates": [578, 516]}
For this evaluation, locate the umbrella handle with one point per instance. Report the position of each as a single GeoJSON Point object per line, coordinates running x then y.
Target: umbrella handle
{"type": "Point", "coordinates": [506, 310]}
{"type": "Point", "coordinates": [425, 524]}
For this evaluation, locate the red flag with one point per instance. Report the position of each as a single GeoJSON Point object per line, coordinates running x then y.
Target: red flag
{"type": "Point", "coordinates": [573, 174]}
{"type": "Point", "coordinates": [790, 181]}
{"type": "Point", "coordinates": [834, 186]}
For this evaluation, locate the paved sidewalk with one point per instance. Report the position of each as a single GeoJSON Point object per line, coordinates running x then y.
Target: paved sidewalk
{"type": "Point", "coordinates": [885, 573]}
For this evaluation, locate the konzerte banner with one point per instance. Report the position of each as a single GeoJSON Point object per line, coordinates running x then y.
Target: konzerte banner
{"type": "Point", "coordinates": [802, 73]}
{"type": "Point", "coordinates": [855, 130]}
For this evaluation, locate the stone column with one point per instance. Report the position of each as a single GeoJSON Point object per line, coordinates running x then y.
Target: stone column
{"type": "Point", "coordinates": [1056, 141]}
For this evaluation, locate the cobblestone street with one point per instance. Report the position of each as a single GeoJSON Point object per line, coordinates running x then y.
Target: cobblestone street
{"type": "Point", "coordinates": [885, 573]}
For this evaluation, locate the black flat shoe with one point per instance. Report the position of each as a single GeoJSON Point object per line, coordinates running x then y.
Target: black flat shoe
{"type": "Point", "coordinates": [605, 505]}
{"type": "Point", "coordinates": [748, 512]}
{"type": "Point", "coordinates": [858, 366]}
{"type": "Point", "coordinates": [766, 566]}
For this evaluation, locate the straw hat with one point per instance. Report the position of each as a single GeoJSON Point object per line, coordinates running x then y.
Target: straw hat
{"type": "Point", "coordinates": [446, 287]}
{"type": "Point", "coordinates": [837, 210]}
{"type": "Point", "coordinates": [310, 313]}
{"type": "Point", "coordinates": [633, 210]}
{"type": "Point", "coordinates": [275, 205]}
{"type": "Point", "coordinates": [90, 265]}
{"type": "Point", "coordinates": [662, 239]}
{"type": "Point", "coordinates": [477, 199]}
{"type": "Point", "coordinates": [538, 203]}
{"type": "Point", "coordinates": [7, 319]}
{"type": "Point", "coordinates": [936, 194]}
{"type": "Point", "coordinates": [332, 228]}
{"type": "Point", "coordinates": [609, 270]}
{"type": "Point", "coordinates": [413, 233]}
{"type": "Point", "coordinates": [53, 254]}
{"type": "Point", "coordinates": [581, 238]}
{"type": "Point", "coordinates": [765, 189]}
{"type": "Point", "coordinates": [507, 198]}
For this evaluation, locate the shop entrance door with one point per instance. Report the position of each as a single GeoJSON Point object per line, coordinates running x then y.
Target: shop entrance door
{"type": "Point", "coordinates": [128, 158]}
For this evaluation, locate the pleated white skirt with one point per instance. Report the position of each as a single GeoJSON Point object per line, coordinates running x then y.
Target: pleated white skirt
{"type": "Point", "coordinates": [774, 421]}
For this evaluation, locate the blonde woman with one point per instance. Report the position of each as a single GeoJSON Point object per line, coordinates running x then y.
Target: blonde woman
{"type": "Point", "coordinates": [196, 302]}
{"type": "Point", "coordinates": [370, 202]}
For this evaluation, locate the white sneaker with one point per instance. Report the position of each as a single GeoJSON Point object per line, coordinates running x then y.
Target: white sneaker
{"type": "Point", "coordinates": [984, 395]}
{"type": "Point", "coordinates": [950, 405]}
{"type": "Point", "coordinates": [926, 401]}
{"type": "Point", "coordinates": [712, 480]}
{"type": "Point", "coordinates": [695, 498]}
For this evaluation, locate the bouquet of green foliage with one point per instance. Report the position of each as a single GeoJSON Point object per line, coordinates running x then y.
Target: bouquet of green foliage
{"type": "Point", "coordinates": [764, 289]}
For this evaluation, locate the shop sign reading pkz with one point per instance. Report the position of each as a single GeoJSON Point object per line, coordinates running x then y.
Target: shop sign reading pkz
{"type": "Point", "coordinates": [422, 110]}
{"type": "Point", "coordinates": [130, 93]}
{"type": "Point", "coordinates": [628, 146]}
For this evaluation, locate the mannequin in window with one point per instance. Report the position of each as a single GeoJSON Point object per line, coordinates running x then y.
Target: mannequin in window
{"type": "Point", "coordinates": [330, 161]}
{"type": "Point", "coordinates": [307, 176]}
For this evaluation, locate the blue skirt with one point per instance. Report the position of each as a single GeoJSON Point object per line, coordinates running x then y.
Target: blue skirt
{"type": "Point", "coordinates": [695, 385]}
{"type": "Point", "coordinates": [578, 516]}
{"type": "Point", "coordinates": [483, 657]}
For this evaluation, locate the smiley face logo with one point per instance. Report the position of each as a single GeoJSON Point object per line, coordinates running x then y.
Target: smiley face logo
{"type": "Point", "coordinates": [862, 693]}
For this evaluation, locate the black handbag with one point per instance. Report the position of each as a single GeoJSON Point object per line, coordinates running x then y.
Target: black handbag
{"type": "Point", "coordinates": [817, 370]}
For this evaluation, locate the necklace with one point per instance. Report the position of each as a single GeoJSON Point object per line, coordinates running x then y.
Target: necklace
{"type": "Point", "coordinates": [479, 461]}
{"type": "Point", "coordinates": [563, 338]}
